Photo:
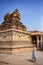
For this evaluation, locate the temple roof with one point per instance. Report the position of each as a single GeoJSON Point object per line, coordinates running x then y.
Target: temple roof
{"type": "Point", "coordinates": [13, 21]}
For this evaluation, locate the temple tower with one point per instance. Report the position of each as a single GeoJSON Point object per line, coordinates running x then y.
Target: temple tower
{"type": "Point", "coordinates": [13, 21]}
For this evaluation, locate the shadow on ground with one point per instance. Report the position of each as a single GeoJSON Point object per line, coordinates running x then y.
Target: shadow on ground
{"type": "Point", "coordinates": [30, 60]}
{"type": "Point", "coordinates": [4, 62]}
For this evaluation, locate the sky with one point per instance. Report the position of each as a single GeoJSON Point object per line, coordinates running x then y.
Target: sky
{"type": "Point", "coordinates": [31, 12]}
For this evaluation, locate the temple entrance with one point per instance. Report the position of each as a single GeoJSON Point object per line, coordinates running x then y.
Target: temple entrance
{"type": "Point", "coordinates": [36, 40]}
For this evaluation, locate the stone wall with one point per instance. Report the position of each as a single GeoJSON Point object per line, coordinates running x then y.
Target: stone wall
{"type": "Point", "coordinates": [12, 39]}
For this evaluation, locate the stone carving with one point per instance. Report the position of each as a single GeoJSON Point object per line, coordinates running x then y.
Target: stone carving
{"type": "Point", "coordinates": [12, 21]}
{"type": "Point", "coordinates": [16, 14]}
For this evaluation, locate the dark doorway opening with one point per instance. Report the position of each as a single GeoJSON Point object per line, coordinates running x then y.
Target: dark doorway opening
{"type": "Point", "coordinates": [34, 40]}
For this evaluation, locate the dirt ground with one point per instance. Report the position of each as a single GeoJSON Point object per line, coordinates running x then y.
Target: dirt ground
{"type": "Point", "coordinates": [21, 58]}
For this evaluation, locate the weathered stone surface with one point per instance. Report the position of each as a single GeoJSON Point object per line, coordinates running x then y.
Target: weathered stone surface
{"type": "Point", "coordinates": [12, 21]}
{"type": "Point", "coordinates": [12, 39]}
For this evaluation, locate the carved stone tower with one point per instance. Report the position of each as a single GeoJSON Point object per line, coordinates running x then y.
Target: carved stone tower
{"type": "Point", "coordinates": [12, 21]}
{"type": "Point", "coordinates": [13, 34]}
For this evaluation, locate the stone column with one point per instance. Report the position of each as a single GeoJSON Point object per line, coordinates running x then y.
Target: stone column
{"type": "Point", "coordinates": [37, 42]}
{"type": "Point", "coordinates": [41, 38]}
{"type": "Point", "coordinates": [41, 42]}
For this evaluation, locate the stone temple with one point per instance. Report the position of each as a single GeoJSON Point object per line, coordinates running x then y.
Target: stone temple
{"type": "Point", "coordinates": [14, 37]}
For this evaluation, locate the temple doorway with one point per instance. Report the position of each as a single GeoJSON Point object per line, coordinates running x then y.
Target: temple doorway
{"type": "Point", "coordinates": [36, 40]}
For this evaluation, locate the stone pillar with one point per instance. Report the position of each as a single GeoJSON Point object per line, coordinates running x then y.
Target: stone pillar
{"type": "Point", "coordinates": [37, 42]}
{"type": "Point", "coordinates": [41, 38]}
{"type": "Point", "coordinates": [41, 42]}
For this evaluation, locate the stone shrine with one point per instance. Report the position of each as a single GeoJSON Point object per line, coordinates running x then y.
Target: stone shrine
{"type": "Point", "coordinates": [13, 35]}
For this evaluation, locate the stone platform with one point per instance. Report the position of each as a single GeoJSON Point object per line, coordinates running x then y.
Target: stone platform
{"type": "Point", "coordinates": [17, 48]}
{"type": "Point", "coordinates": [12, 40]}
